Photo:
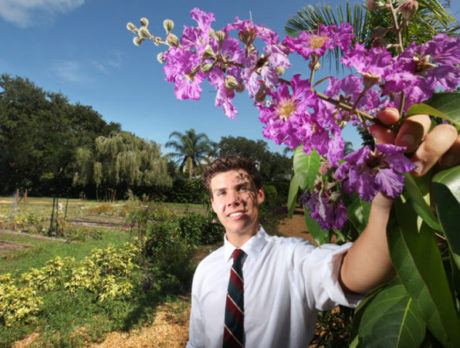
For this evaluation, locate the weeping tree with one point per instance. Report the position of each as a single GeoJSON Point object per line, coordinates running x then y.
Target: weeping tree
{"type": "Point", "coordinates": [190, 149]}
{"type": "Point", "coordinates": [122, 160]}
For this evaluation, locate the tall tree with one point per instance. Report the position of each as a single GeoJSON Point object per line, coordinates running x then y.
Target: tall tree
{"type": "Point", "coordinates": [270, 164]}
{"type": "Point", "coordinates": [190, 149]}
{"type": "Point", "coordinates": [39, 132]}
{"type": "Point", "coordinates": [122, 160]}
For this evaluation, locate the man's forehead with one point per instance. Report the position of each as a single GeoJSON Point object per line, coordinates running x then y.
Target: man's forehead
{"type": "Point", "coordinates": [235, 176]}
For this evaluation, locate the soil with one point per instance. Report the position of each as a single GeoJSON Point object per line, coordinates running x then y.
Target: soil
{"type": "Point", "coordinates": [6, 247]}
{"type": "Point", "coordinates": [170, 331]}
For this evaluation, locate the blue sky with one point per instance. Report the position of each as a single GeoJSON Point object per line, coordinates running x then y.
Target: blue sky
{"type": "Point", "coordinates": [81, 48]}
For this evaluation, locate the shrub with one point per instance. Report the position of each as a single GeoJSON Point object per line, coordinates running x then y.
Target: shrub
{"type": "Point", "coordinates": [168, 253]}
{"type": "Point", "coordinates": [201, 229]}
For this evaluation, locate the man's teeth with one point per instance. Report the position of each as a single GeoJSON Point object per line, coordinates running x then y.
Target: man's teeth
{"type": "Point", "coordinates": [236, 214]}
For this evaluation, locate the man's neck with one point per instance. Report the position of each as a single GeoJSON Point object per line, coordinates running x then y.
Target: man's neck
{"type": "Point", "coordinates": [239, 239]}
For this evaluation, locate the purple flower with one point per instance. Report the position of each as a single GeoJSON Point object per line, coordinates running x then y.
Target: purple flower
{"type": "Point", "coordinates": [327, 209]}
{"type": "Point", "coordinates": [326, 38]}
{"type": "Point", "coordinates": [250, 31]}
{"type": "Point", "coordinates": [368, 172]}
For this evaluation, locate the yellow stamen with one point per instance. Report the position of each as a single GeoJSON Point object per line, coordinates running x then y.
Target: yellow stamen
{"type": "Point", "coordinates": [285, 109]}
{"type": "Point", "coordinates": [317, 41]}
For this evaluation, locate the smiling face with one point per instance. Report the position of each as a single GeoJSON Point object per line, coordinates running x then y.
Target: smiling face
{"type": "Point", "coordinates": [236, 202]}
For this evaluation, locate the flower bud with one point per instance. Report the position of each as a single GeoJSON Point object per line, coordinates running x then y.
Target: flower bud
{"type": "Point", "coordinates": [280, 70]}
{"type": "Point", "coordinates": [370, 80]}
{"type": "Point", "coordinates": [144, 33]}
{"type": "Point", "coordinates": [172, 40]}
{"type": "Point", "coordinates": [220, 35]}
{"type": "Point", "coordinates": [130, 26]}
{"type": "Point", "coordinates": [138, 40]}
{"type": "Point", "coordinates": [209, 52]}
{"type": "Point", "coordinates": [240, 88]}
{"type": "Point", "coordinates": [205, 68]}
{"type": "Point", "coordinates": [408, 9]}
{"type": "Point", "coordinates": [144, 22]}
{"type": "Point", "coordinates": [160, 57]}
{"type": "Point", "coordinates": [168, 24]}
{"type": "Point", "coordinates": [230, 82]}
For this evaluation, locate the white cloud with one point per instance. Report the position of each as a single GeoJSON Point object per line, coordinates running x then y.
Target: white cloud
{"type": "Point", "coordinates": [71, 71]}
{"type": "Point", "coordinates": [25, 13]}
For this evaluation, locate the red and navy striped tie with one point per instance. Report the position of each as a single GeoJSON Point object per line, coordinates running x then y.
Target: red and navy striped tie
{"type": "Point", "coordinates": [234, 306]}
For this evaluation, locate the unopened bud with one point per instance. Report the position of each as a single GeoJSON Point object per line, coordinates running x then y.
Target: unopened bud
{"type": "Point", "coordinates": [168, 24]}
{"type": "Point", "coordinates": [261, 94]}
{"type": "Point", "coordinates": [370, 80]}
{"type": "Point", "coordinates": [408, 9]}
{"type": "Point", "coordinates": [280, 70]}
{"type": "Point", "coordinates": [374, 4]}
{"type": "Point", "coordinates": [240, 88]}
{"type": "Point", "coordinates": [314, 64]}
{"type": "Point", "coordinates": [138, 40]}
{"type": "Point", "coordinates": [220, 35]}
{"type": "Point", "coordinates": [247, 37]}
{"type": "Point", "coordinates": [230, 82]}
{"type": "Point", "coordinates": [130, 26]}
{"type": "Point", "coordinates": [212, 33]}
{"type": "Point", "coordinates": [209, 52]}
{"type": "Point", "coordinates": [172, 40]}
{"type": "Point", "coordinates": [161, 58]}
{"type": "Point", "coordinates": [144, 33]}
{"type": "Point", "coordinates": [205, 68]}
{"type": "Point", "coordinates": [144, 22]}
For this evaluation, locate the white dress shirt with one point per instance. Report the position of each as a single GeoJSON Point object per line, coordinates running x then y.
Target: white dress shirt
{"type": "Point", "coordinates": [286, 281]}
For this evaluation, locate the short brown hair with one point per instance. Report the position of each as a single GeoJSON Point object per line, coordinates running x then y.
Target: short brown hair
{"type": "Point", "coordinates": [232, 162]}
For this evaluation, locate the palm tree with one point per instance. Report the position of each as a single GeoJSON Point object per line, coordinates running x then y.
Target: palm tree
{"type": "Point", "coordinates": [190, 149]}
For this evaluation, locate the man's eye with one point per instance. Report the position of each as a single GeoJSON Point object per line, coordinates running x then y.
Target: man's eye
{"type": "Point", "coordinates": [220, 193]}
{"type": "Point", "coordinates": [244, 189]}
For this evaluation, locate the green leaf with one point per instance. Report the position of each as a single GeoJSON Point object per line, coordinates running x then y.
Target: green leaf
{"type": "Point", "coordinates": [446, 102]}
{"type": "Point", "coordinates": [358, 212]}
{"type": "Point", "coordinates": [444, 105]}
{"type": "Point", "coordinates": [446, 194]}
{"type": "Point", "coordinates": [390, 319]}
{"type": "Point", "coordinates": [417, 260]}
{"type": "Point", "coordinates": [293, 193]}
{"type": "Point", "coordinates": [306, 167]}
{"type": "Point", "coordinates": [321, 236]}
{"type": "Point", "coordinates": [413, 193]}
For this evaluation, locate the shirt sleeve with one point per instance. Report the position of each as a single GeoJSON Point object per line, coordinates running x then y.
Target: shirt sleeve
{"type": "Point", "coordinates": [316, 273]}
{"type": "Point", "coordinates": [196, 325]}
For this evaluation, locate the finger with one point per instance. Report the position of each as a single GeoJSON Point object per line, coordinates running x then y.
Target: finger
{"type": "Point", "coordinates": [435, 144]}
{"type": "Point", "coordinates": [412, 131]}
{"type": "Point", "coordinates": [382, 135]}
{"type": "Point", "coordinates": [452, 156]}
{"type": "Point", "coordinates": [388, 115]}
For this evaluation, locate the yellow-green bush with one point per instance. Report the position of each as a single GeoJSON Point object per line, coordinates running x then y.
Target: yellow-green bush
{"type": "Point", "coordinates": [17, 304]}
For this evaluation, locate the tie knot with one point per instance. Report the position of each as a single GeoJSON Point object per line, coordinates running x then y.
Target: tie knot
{"type": "Point", "coordinates": [238, 254]}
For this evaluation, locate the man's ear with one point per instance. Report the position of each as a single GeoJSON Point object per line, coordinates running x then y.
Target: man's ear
{"type": "Point", "coordinates": [260, 195]}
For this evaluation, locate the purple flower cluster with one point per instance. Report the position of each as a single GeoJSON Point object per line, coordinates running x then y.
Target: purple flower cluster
{"type": "Point", "coordinates": [368, 172]}
{"type": "Point", "coordinates": [294, 114]}
{"type": "Point", "coordinates": [326, 208]}
{"type": "Point", "coordinates": [418, 71]}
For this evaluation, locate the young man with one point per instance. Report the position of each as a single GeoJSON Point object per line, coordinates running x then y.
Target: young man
{"type": "Point", "coordinates": [284, 282]}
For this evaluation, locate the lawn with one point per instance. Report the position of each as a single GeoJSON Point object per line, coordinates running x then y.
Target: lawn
{"type": "Point", "coordinates": [86, 282]}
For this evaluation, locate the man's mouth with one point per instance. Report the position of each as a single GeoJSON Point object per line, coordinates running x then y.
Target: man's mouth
{"type": "Point", "coordinates": [235, 214]}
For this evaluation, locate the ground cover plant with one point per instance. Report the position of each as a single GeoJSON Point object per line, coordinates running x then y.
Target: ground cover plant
{"type": "Point", "coordinates": [404, 66]}
{"type": "Point", "coordinates": [75, 293]}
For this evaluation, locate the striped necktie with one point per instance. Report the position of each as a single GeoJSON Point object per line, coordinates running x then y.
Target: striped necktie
{"type": "Point", "coordinates": [234, 306]}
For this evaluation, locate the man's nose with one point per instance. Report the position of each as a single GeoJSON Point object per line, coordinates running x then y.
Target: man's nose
{"type": "Point", "coordinates": [233, 198]}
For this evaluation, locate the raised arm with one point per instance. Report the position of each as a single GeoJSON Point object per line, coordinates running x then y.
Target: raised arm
{"type": "Point", "coordinates": [367, 264]}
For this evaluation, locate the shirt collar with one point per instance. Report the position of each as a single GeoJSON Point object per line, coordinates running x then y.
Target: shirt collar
{"type": "Point", "coordinates": [252, 247]}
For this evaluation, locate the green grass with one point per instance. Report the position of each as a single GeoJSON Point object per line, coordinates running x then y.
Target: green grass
{"type": "Point", "coordinates": [43, 250]}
